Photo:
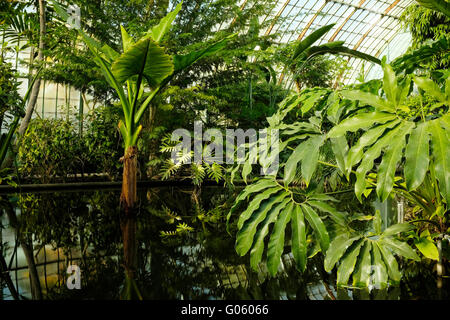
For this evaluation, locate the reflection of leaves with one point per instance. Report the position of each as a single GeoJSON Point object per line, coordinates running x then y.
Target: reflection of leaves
{"type": "Point", "coordinates": [171, 216]}
{"type": "Point", "coordinates": [182, 229]}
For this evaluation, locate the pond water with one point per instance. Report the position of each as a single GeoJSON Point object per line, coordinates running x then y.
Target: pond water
{"type": "Point", "coordinates": [184, 251]}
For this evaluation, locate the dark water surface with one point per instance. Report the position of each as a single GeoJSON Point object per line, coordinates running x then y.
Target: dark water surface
{"type": "Point", "coordinates": [184, 251]}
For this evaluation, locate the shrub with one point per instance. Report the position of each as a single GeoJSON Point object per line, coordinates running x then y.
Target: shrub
{"type": "Point", "coordinates": [52, 149]}
{"type": "Point", "coordinates": [102, 141]}
{"type": "Point", "coordinates": [49, 149]}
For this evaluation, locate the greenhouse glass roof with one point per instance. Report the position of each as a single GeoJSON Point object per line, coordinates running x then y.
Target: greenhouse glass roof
{"type": "Point", "coordinates": [370, 26]}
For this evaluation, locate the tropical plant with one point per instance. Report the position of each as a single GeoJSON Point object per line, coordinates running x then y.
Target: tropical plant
{"type": "Point", "coordinates": [49, 150]}
{"type": "Point", "coordinates": [142, 61]}
{"type": "Point", "coordinates": [6, 138]}
{"type": "Point", "coordinates": [208, 168]}
{"type": "Point", "coordinates": [367, 254]}
{"type": "Point", "coordinates": [391, 117]}
{"type": "Point", "coordinates": [102, 146]}
{"type": "Point", "coordinates": [419, 59]}
{"type": "Point", "coordinates": [143, 65]}
{"type": "Point", "coordinates": [305, 51]}
{"type": "Point", "coordinates": [428, 22]}
{"type": "Point", "coordinates": [438, 5]}
{"type": "Point", "coordinates": [274, 203]}
{"type": "Point", "coordinates": [371, 126]}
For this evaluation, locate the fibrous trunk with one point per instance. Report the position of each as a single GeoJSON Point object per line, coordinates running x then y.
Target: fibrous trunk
{"type": "Point", "coordinates": [128, 199]}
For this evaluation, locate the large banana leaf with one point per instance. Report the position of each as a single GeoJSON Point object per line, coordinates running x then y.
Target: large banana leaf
{"type": "Point", "coordinates": [310, 40]}
{"type": "Point", "coordinates": [157, 32]}
{"type": "Point", "coordinates": [338, 48]}
{"type": "Point", "coordinates": [143, 59]}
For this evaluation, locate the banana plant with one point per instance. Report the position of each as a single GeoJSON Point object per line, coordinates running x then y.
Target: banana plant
{"type": "Point", "coordinates": [368, 255]}
{"type": "Point", "coordinates": [137, 74]}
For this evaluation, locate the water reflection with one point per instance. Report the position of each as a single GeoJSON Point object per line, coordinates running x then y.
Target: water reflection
{"type": "Point", "coordinates": [183, 252]}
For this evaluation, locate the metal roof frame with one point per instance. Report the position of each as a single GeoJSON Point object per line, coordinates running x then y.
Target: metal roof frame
{"type": "Point", "coordinates": [364, 25]}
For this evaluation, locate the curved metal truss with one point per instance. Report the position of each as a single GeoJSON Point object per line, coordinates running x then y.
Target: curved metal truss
{"type": "Point", "coordinates": [366, 25]}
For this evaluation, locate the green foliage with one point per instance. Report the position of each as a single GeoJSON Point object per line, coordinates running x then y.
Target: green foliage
{"type": "Point", "coordinates": [102, 143]}
{"type": "Point", "coordinates": [426, 25]}
{"type": "Point", "coordinates": [438, 5]}
{"type": "Point", "coordinates": [420, 58]}
{"type": "Point", "coordinates": [391, 117]}
{"type": "Point", "coordinates": [11, 108]}
{"type": "Point", "coordinates": [320, 71]}
{"type": "Point", "coordinates": [273, 203]}
{"type": "Point", "coordinates": [52, 149]}
{"type": "Point", "coordinates": [184, 167]}
{"type": "Point", "coordinates": [372, 127]}
{"type": "Point", "coordinates": [368, 254]}
{"type": "Point", "coordinates": [10, 99]}
{"type": "Point", "coordinates": [6, 138]}
{"type": "Point", "coordinates": [232, 87]}
{"type": "Point", "coordinates": [49, 149]}
{"type": "Point", "coordinates": [72, 63]}
{"type": "Point", "coordinates": [305, 51]}
{"type": "Point", "coordinates": [424, 242]}
{"type": "Point", "coordinates": [142, 60]}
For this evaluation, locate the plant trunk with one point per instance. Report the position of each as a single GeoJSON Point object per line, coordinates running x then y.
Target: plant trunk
{"type": "Point", "coordinates": [37, 85]}
{"type": "Point", "coordinates": [128, 199]}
